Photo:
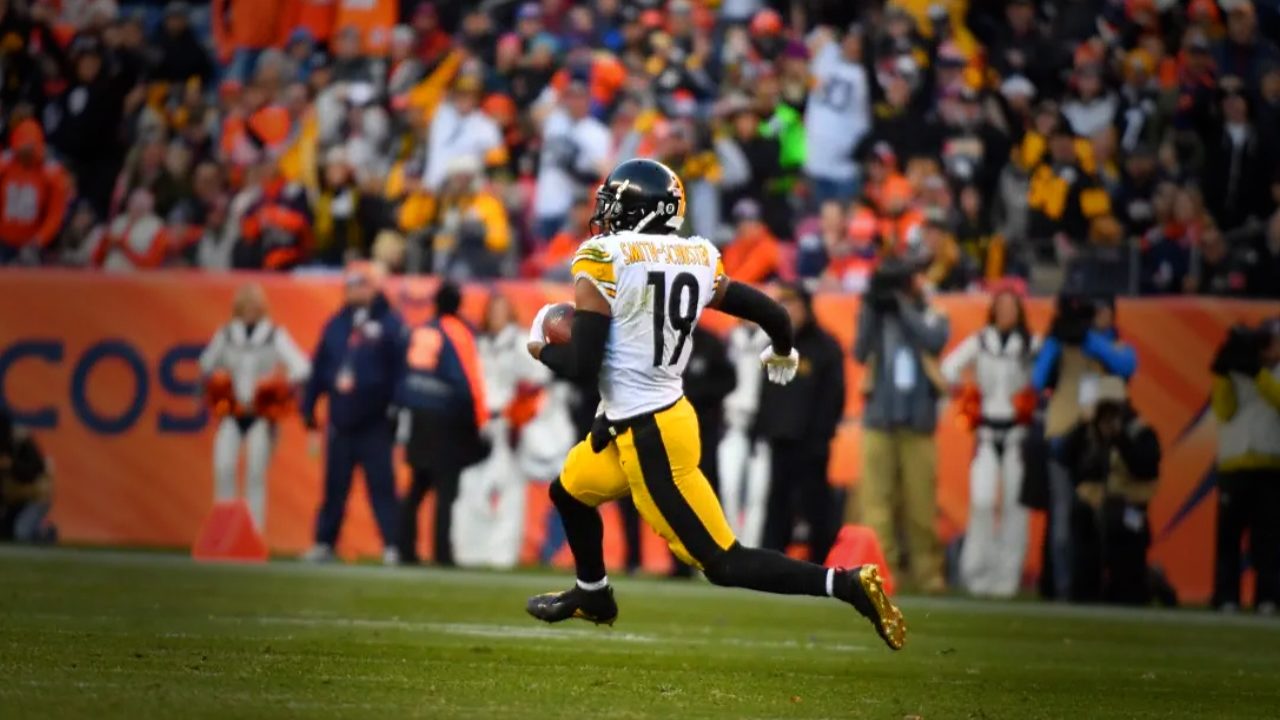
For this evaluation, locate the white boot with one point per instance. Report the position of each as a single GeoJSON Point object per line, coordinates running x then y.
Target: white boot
{"type": "Point", "coordinates": [390, 556]}
{"type": "Point", "coordinates": [319, 553]}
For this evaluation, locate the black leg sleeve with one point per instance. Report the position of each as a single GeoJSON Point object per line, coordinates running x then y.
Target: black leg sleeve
{"type": "Point", "coordinates": [584, 531]}
{"type": "Point", "coordinates": [767, 571]}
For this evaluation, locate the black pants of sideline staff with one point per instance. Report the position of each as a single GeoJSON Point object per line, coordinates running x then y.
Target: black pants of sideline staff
{"type": "Point", "coordinates": [441, 445]}
{"type": "Point", "coordinates": [445, 483]}
{"type": "Point", "coordinates": [798, 486]}
{"type": "Point", "coordinates": [1249, 501]}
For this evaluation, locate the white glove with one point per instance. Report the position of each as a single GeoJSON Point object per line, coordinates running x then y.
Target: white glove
{"type": "Point", "coordinates": [535, 331]}
{"type": "Point", "coordinates": [780, 369]}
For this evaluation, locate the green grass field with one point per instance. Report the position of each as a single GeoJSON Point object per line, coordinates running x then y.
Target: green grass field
{"type": "Point", "coordinates": [138, 635]}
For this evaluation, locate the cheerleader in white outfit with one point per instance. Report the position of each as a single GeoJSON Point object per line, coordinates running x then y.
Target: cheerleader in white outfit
{"type": "Point", "coordinates": [999, 357]}
{"type": "Point", "coordinates": [249, 369]}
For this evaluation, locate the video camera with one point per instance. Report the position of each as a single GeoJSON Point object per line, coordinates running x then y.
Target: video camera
{"type": "Point", "coordinates": [1241, 352]}
{"type": "Point", "coordinates": [1073, 318]}
{"type": "Point", "coordinates": [892, 277]}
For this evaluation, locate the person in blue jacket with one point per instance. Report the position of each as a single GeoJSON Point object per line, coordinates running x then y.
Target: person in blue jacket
{"type": "Point", "coordinates": [1082, 347]}
{"type": "Point", "coordinates": [359, 363]}
{"type": "Point", "coordinates": [443, 395]}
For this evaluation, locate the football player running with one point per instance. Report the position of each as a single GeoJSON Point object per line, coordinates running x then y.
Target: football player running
{"type": "Point", "coordinates": [639, 290]}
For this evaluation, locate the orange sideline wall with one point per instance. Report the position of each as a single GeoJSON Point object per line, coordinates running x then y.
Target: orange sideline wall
{"type": "Point", "coordinates": [105, 367]}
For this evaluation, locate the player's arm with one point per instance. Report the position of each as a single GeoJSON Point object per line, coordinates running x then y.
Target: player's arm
{"type": "Point", "coordinates": [580, 358]}
{"type": "Point", "coordinates": [746, 302]}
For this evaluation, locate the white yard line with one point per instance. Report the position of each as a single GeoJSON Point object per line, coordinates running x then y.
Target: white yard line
{"type": "Point", "coordinates": [493, 631]}
{"type": "Point", "coordinates": [543, 581]}
{"type": "Point", "coordinates": [537, 632]}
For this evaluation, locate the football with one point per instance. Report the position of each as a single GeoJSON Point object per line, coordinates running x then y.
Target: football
{"type": "Point", "coordinates": [557, 324]}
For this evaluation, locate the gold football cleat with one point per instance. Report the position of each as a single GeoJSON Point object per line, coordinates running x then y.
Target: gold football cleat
{"type": "Point", "coordinates": [883, 614]}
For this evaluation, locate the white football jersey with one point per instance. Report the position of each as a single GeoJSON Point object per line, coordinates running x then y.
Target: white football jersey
{"type": "Point", "coordinates": [656, 286]}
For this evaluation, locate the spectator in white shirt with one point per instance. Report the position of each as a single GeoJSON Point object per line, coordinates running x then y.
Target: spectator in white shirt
{"type": "Point", "coordinates": [837, 117]}
{"type": "Point", "coordinates": [576, 150]}
{"type": "Point", "coordinates": [459, 129]}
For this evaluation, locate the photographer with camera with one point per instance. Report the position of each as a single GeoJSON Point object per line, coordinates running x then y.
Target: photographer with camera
{"type": "Point", "coordinates": [1082, 348]}
{"type": "Point", "coordinates": [1246, 402]}
{"type": "Point", "coordinates": [1113, 460]}
{"type": "Point", "coordinates": [898, 341]}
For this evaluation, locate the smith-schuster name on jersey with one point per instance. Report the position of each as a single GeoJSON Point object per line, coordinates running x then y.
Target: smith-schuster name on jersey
{"type": "Point", "coordinates": [656, 286]}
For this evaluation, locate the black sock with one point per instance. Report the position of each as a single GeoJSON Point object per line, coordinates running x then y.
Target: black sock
{"type": "Point", "coordinates": [584, 531]}
{"type": "Point", "coordinates": [769, 571]}
{"type": "Point", "coordinates": [841, 586]}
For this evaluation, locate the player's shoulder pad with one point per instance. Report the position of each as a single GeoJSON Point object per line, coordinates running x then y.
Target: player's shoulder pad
{"type": "Point", "coordinates": [594, 261]}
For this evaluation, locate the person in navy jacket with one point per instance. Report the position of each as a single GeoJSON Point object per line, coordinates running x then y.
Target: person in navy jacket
{"type": "Point", "coordinates": [443, 396]}
{"type": "Point", "coordinates": [358, 364]}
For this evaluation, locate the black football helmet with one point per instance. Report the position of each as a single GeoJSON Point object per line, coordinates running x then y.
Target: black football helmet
{"type": "Point", "coordinates": [640, 195]}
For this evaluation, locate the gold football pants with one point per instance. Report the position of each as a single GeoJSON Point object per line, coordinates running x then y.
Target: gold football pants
{"type": "Point", "coordinates": [655, 459]}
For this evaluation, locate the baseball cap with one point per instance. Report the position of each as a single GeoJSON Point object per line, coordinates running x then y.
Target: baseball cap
{"type": "Point", "coordinates": [766, 22]}
{"type": "Point", "coordinates": [299, 35]}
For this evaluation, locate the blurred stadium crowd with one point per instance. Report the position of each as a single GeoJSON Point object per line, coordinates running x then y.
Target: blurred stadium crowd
{"type": "Point", "coordinates": [1134, 144]}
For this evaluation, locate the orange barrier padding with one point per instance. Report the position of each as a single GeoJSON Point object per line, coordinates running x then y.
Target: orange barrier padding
{"type": "Point", "coordinates": [106, 376]}
{"type": "Point", "coordinates": [858, 545]}
{"type": "Point", "coordinates": [228, 535]}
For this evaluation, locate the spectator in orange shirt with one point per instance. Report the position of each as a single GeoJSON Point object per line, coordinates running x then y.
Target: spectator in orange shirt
{"type": "Point", "coordinates": [373, 19]}
{"type": "Point", "coordinates": [899, 219]}
{"type": "Point", "coordinates": [753, 256]}
{"type": "Point", "coordinates": [34, 192]}
{"type": "Point", "coordinates": [276, 228]}
{"type": "Point", "coordinates": [882, 171]}
{"type": "Point", "coordinates": [242, 29]}
{"type": "Point", "coordinates": [852, 258]}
